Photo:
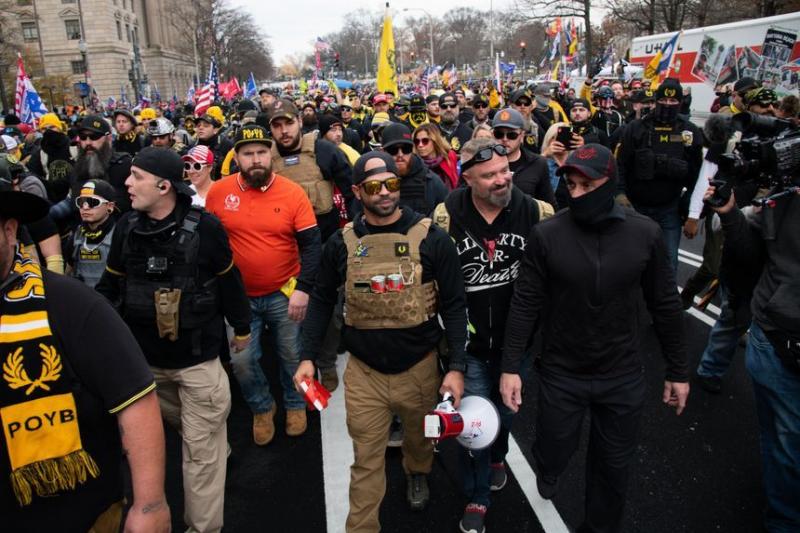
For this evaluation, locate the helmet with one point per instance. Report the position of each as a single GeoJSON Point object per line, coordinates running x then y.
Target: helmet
{"type": "Point", "coordinates": [160, 126]}
{"type": "Point", "coordinates": [605, 92]}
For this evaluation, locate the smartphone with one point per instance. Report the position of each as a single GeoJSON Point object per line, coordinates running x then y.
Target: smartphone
{"type": "Point", "coordinates": [564, 136]}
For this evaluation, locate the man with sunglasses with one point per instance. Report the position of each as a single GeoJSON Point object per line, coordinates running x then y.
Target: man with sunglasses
{"type": "Point", "coordinates": [391, 336]}
{"type": "Point", "coordinates": [91, 241]}
{"type": "Point", "coordinates": [480, 111]}
{"type": "Point", "coordinates": [530, 170]}
{"type": "Point", "coordinates": [489, 220]}
{"type": "Point", "coordinates": [420, 188]}
{"type": "Point", "coordinates": [276, 245]}
{"type": "Point", "coordinates": [355, 137]}
{"type": "Point", "coordinates": [522, 102]}
{"type": "Point", "coordinates": [582, 280]}
{"type": "Point", "coordinates": [453, 130]}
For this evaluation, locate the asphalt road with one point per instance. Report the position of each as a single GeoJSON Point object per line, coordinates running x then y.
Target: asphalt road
{"type": "Point", "coordinates": [698, 472]}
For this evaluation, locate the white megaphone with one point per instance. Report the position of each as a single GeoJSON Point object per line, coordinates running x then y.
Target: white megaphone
{"type": "Point", "coordinates": [475, 425]}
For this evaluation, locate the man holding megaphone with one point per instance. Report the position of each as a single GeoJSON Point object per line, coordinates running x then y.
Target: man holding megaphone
{"type": "Point", "coordinates": [583, 275]}
{"type": "Point", "coordinates": [400, 273]}
{"type": "Point", "coordinates": [490, 221]}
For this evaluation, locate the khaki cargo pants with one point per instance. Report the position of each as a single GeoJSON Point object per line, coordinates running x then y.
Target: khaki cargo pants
{"type": "Point", "coordinates": [370, 399]}
{"type": "Point", "coordinates": [196, 402]}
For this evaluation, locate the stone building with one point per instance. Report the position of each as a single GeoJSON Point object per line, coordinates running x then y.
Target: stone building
{"type": "Point", "coordinates": [128, 45]}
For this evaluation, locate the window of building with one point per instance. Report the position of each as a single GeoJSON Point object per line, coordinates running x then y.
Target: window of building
{"type": "Point", "coordinates": [29, 31]}
{"type": "Point", "coordinates": [128, 31]}
{"type": "Point", "coordinates": [67, 1]}
{"type": "Point", "coordinates": [124, 4]}
{"type": "Point", "coordinates": [119, 30]}
{"type": "Point", "coordinates": [24, 2]}
{"type": "Point", "coordinates": [136, 34]}
{"type": "Point", "coordinates": [78, 67]}
{"type": "Point", "coordinates": [73, 27]}
{"type": "Point", "coordinates": [133, 6]}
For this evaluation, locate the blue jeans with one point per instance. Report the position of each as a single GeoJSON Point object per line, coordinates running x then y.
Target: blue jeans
{"type": "Point", "coordinates": [272, 310]}
{"type": "Point", "coordinates": [483, 379]}
{"type": "Point", "coordinates": [777, 392]}
{"type": "Point", "coordinates": [724, 337]}
{"type": "Point", "coordinates": [669, 219]}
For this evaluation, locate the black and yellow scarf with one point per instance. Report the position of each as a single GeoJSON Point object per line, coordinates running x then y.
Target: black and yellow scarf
{"type": "Point", "coordinates": [37, 408]}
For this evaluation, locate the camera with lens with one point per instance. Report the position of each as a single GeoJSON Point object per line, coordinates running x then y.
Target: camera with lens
{"type": "Point", "coordinates": [768, 154]}
{"type": "Point", "coordinates": [157, 266]}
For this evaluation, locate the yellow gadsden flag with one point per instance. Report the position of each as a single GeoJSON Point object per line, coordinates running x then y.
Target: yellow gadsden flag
{"type": "Point", "coordinates": [387, 72]}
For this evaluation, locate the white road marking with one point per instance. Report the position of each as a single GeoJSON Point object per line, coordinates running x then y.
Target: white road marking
{"type": "Point", "coordinates": [690, 255]}
{"type": "Point", "coordinates": [710, 307]}
{"type": "Point", "coordinates": [337, 455]}
{"type": "Point", "coordinates": [545, 511]}
{"type": "Point", "coordinates": [691, 262]}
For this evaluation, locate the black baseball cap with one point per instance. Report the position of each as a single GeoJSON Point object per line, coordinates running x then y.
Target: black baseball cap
{"type": "Point", "coordinates": [100, 188]}
{"type": "Point", "coordinates": [251, 133]}
{"type": "Point", "coordinates": [396, 133]}
{"type": "Point", "coordinates": [95, 124]}
{"type": "Point", "coordinates": [164, 163]}
{"type": "Point", "coordinates": [519, 94]}
{"type": "Point", "coordinates": [579, 102]}
{"type": "Point", "coordinates": [592, 160]}
{"type": "Point", "coordinates": [282, 108]}
{"type": "Point", "coordinates": [443, 99]}
{"type": "Point", "coordinates": [359, 174]}
{"type": "Point", "coordinates": [670, 88]}
{"type": "Point", "coordinates": [745, 84]}
{"type": "Point", "coordinates": [480, 99]}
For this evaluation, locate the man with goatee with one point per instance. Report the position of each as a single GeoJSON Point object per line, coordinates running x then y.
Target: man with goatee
{"type": "Point", "coordinates": [276, 245]}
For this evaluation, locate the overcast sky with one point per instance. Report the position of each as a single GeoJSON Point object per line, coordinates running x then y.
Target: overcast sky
{"type": "Point", "coordinates": [293, 25]}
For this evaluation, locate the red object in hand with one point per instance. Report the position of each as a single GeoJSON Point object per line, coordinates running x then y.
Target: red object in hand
{"type": "Point", "coordinates": [315, 394]}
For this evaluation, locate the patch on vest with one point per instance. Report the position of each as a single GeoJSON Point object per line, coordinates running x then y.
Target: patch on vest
{"type": "Point", "coordinates": [455, 144]}
{"type": "Point", "coordinates": [59, 170]}
{"type": "Point", "coordinates": [530, 140]}
{"type": "Point", "coordinates": [361, 250]}
{"type": "Point", "coordinates": [90, 255]}
{"type": "Point", "coordinates": [291, 161]}
{"type": "Point", "coordinates": [401, 249]}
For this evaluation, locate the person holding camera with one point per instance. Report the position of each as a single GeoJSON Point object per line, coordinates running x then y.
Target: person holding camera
{"type": "Point", "coordinates": [658, 156]}
{"type": "Point", "coordinates": [769, 246]}
{"type": "Point", "coordinates": [170, 273]}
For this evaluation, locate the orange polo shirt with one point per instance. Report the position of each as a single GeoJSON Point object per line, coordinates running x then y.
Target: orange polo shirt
{"type": "Point", "coordinates": [261, 226]}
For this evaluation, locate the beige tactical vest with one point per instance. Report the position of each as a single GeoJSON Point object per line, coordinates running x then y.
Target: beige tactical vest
{"type": "Point", "coordinates": [384, 254]}
{"type": "Point", "coordinates": [302, 169]}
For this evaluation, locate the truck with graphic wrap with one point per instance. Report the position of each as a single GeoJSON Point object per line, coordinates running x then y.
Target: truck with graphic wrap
{"type": "Point", "coordinates": [714, 57]}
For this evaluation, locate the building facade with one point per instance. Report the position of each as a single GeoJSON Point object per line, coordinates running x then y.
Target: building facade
{"type": "Point", "coordinates": [120, 47]}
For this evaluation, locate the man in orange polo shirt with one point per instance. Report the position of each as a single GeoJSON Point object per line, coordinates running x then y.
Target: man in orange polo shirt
{"type": "Point", "coordinates": [276, 246]}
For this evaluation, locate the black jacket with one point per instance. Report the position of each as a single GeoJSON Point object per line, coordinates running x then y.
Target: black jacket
{"type": "Point", "coordinates": [421, 189]}
{"type": "Point", "coordinates": [460, 131]}
{"type": "Point", "coordinates": [392, 351]}
{"type": "Point", "coordinates": [130, 146]}
{"type": "Point", "coordinates": [585, 284]}
{"type": "Point", "coordinates": [491, 256]}
{"type": "Point", "coordinates": [532, 176]}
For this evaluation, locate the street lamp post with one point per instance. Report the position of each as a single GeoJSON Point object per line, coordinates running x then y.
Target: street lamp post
{"type": "Point", "coordinates": [82, 48]}
{"type": "Point", "coordinates": [522, 59]}
{"type": "Point", "coordinates": [430, 26]}
{"type": "Point", "coordinates": [366, 59]}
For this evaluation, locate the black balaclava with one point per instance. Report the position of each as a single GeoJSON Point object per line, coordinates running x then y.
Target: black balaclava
{"type": "Point", "coordinates": [594, 207]}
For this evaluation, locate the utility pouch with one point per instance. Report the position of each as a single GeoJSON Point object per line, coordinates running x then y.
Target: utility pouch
{"type": "Point", "coordinates": [168, 303]}
{"type": "Point", "coordinates": [644, 160]}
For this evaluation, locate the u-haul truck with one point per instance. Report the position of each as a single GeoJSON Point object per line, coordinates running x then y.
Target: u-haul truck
{"type": "Point", "coordinates": [716, 56]}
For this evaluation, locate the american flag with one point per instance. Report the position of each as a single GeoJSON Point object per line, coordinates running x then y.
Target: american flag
{"type": "Point", "coordinates": [206, 96]}
{"type": "Point", "coordinates": [27, 104]}
{"type": "Point", "coordinates": [424, 81]}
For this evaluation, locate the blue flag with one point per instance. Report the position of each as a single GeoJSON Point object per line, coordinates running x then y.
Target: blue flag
{"type": "Point", "coordinates": [250, 89]}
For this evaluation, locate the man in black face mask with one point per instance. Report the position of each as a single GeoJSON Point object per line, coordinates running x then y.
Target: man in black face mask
{"type": "Point", "coordinates": [658, 156]}
{"type": "Point", "coordinates": [584, 272]}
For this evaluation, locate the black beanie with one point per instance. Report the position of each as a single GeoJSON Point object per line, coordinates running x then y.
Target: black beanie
{"type": "Point", "coordinates": [670, 88]}
{"type": "Point", "coordinates": [326, 122]}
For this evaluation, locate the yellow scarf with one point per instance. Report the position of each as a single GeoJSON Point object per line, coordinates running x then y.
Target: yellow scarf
{"type": "Point", "coordinates": [37, 408]}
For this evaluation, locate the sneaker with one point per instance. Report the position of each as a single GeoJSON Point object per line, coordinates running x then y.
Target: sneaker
{"type": "Point", "coordinates": [497, 476]}
{"type": "Point", "coordinates": [712, 384]}
{"type": "Point", "coordinates": [547, 485]}
{"type": "Point", "coordinates": [264, 427]}
{"type": "Point", "coordinates": [296, 422]}
{"type": "Point", "coordinates": [472, 521]}
{"type": "Point", "coordinates": [417, 492]}
{"type": "Point", "coordinates": [395, 434]}
{"type": "Point", "coordinates": [329, 378]}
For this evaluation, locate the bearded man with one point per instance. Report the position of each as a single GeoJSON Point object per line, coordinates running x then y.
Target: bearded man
{"type": "Point", "coordinates": [270, 221]}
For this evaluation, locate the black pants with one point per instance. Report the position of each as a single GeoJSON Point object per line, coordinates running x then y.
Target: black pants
{"type": "Point", "coordinates": [616, 407]}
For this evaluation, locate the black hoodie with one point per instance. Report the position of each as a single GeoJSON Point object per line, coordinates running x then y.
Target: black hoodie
{"type": "Point", "coordinates": [392, 351]}
{"type": "Point", "coordinates": [491, 255]}
{"type": "Point", "coordinates": [421, 189]}
{"type": "Point", "coordinates": [532, 176]}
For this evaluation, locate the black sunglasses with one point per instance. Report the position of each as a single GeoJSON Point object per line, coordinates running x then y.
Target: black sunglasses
{"type": "Point", "coordinates": [505, 134]}
{"type": "Point", "coordinates": [392, 150]}
{"type": "Point", "coordinates": [91, 136]}
{"type": "Point", "coordinates": [480, 105]}
{"type": "Point", "coordinates": [448, 106]}
{"type": "Point", "coordinates": [483, 155]}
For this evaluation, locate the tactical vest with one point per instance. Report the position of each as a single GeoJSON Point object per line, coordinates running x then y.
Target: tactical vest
{"type": "Point", "coordinates": [90, 259]}
{"type": "Point", "coordinates": [663, 155]}
{"type": "Point", "coordinates": [302, 169]}
{"type": "Point", "coordinates": [172, 264]}
{"type": "Point", "coordinates": [383, 254]}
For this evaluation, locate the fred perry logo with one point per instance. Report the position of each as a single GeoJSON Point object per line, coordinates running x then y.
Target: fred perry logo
{"type": "Point", "coordinates": [587, 153]}
{"type": "Point", "coordinates": [401, 249]}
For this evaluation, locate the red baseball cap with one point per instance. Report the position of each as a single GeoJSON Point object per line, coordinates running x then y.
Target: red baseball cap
{"type": "Point", "coordinates": [200, 154]}
{"type": "Point", "coordinates": [380, 98]}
